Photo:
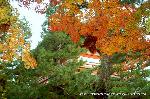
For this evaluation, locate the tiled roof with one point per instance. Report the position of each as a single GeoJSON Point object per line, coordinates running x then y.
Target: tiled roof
{"type": "Point", "coordinates": [91, 60]}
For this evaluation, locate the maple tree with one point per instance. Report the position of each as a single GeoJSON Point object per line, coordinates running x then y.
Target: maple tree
{"type": "Point", "coordinates": [108, 27]}
{"type": "Point", "coordinates": [114, 26]}
{"type": "Point", "coordinates": [14, 36]}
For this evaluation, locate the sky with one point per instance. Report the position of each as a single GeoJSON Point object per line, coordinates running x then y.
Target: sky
{"type": "Point", "coordinates": [35, 21]}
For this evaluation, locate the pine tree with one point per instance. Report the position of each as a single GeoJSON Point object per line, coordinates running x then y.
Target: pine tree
{"type": "Point", "coordinates": [57, 61]}
{"type": "Point", "coordinates": [131, 83]}
{"type": "Point", "coordinates": [57, 57]}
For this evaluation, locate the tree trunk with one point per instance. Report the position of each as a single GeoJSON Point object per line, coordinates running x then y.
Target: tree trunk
{"type": "Point", "coordinates": [105, 68]}
{"type": "Point", "coordinates": [105, 71]}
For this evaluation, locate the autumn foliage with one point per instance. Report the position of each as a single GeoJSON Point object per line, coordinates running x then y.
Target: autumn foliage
{"type": "Point", "coordinates": [13, 37]}
{"type": "Point", "coordinates": [114, 26]}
